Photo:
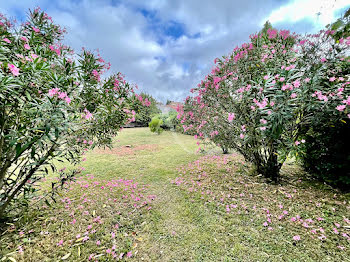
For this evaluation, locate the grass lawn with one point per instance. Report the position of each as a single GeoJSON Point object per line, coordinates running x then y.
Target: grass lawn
{"type": "Point", "coordinates": [153, 198]}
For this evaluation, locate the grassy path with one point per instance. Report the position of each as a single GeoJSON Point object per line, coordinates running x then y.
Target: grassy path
{"type": "Point", "coordinates": [178, 229]}
{"type": "Point", "coordinates": [184, 226]}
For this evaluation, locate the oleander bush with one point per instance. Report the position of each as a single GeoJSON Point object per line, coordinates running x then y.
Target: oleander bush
{"type": "Point", "coordinates": [54, 105]}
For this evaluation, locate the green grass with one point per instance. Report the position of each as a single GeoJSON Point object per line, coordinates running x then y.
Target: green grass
{"type": "Point", "coordinates": [182, 224]}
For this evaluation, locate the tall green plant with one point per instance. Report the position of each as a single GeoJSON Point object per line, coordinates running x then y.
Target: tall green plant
{"type": "Point", "coordinates": [53, 104]}
{"type": "Point", "coordinates": [257, 99]}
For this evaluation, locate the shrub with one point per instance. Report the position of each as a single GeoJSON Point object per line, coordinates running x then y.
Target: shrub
{"type": "Point", "coordinates": [145, 107]}
{"type": "Point", "coordinates": [257, 99]}
{"type": "Point", "coordinates": [169, 120]}
{"type": "Point", "coordinates": [54, 105]}
{"type": "Point", "coordinates": [327, 152]}
{"type": "Point", "coordinates": [155, 125]}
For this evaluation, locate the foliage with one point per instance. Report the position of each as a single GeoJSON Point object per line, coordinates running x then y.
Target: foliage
{"type": "Point", "coordinates": [327, 153]}
{"type": "Point", "coordinates": [341, 27]}
{"type": "Point", "coordinates": [169, 120]}
{"type": "Point", "coordinates": [54, 104]}
{"type": "Point", "coordinates": [257, 99]}
{"type": "Point", "coordinates": [145, 107]}
{"type": "Point", "coordinates": [155, 125]}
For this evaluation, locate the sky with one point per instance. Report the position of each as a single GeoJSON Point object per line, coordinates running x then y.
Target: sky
{"type": "Point", "coordinates": [167, 47]}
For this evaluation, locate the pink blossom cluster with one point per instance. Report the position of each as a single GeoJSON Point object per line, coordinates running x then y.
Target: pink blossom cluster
{"type": "Point", "coordinates": [61, 95]}
{"type": "Point", "coordinates": [13, 69]}
{"type": "Point", "coordinates": [87, 115]}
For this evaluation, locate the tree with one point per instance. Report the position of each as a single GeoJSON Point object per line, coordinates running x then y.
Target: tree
{"type": "Point", "coordinates": [257, 99]}
{"type": "Point", "coordinates": [54, 105]}
{"type": "Point", "coordinates": [145, 107]}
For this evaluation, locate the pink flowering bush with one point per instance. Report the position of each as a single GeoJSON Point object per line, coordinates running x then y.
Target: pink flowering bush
{"type": "Point", "coordinates": [145, 107]}
{"type": "Point", "coordinates": [326, 154]}
{"type": "Point", "coordinates": [257, 99]}
{"type": "Point", "coordinates": [54, 104]}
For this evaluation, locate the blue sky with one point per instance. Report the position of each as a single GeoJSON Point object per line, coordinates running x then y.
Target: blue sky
{"type": "Point", "coordinates": [167, 47]}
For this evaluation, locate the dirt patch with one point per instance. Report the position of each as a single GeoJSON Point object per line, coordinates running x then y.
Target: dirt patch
{"type": "Point", "coordinates": [127, 149]}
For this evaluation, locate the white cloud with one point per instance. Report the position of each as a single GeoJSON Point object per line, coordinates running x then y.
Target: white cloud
{"type": "Point", "coordinates": [168, 69]}
{"type": "Point", "coordinates": [322, 12]}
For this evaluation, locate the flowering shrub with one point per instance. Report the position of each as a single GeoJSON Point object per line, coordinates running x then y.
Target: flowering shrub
{"type": "Point", "coordinates": [327, 151]}
{"type": "Point", "coordinates": [257, 99]}
{"type": "Point", "coordinates": [145, 107]}
{"type": "Point", "coordinates": [54, 104]}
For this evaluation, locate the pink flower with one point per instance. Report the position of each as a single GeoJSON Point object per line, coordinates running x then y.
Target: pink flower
{"type": "Point", "coordinates": [262, 128]}
{"type": "Point", "coordinates": [263, 121]}
{"type": "Point", "coordinates": [129, 254]}
{"type": "Point", "coordinates": [281, 79]}
{"type": "Point", "coordinates": [266, 77]}
{"type": "Point", "coordinates": [68, 100]}
{"type": "Point", "coordinates": [307, 80]}
{"type": "Point", "coordinates": [88, 115]}
{"type": "Point", "coordinates": [294, 95]}
{"type": "Point", "coordinates": [297, 143]}
{"type": "Point", "coordinates": [26, 46]}
{"type": "Point", "coordinates": [231, 116]}
{"type": "Point", "coordinates": [62, 95]}
{"type": "Point", "coordinates": [7, 40]}
{"type": "Point", "coordinates": [98, 242]}
{"type": "Point", "coordinates": [332, 79]}
{"type": "Point", "coordinates": [296, 238]}
{"type": "Point", "coordinates": [241, 136]}
{"type": "Point", "coordinates": [265, 224]}
{"type": "Point", "coordinates": [14, 70]}
{"type": "Point", "coordinates": [296, 83]}
{"type": "Point", "coordinates": [36, 30]}
{"type": "Point", "coordinates": [60, 243]}
{"type": "Point", "coordinates": [341, 108]}
{"type": "Point", "coordinates": [53, 91]}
